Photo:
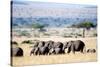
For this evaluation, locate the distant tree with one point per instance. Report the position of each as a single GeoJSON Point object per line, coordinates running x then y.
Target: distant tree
{"type": "Point", "coordinates": [38, 26]}
{"type": "Point", "coordinates": [84, 25]}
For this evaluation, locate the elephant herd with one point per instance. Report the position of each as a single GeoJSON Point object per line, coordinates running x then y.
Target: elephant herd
{"type": "Point", "coordinates": [51, 47]}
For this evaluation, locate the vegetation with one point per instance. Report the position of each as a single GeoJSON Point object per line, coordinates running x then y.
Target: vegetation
{"type": "Point", "coordinates": [95, 34]}
{"type": "Point", "coordinates": [86, 25]}
{"type": "Point", "coordinates": [38, 26]}
{"type": "Point", "coordinates": [46, 34]}
{"type": "Point", "coordinates": [25, 33]}
{"type": "Point", "coordinates": [27, 42]}
{"type": "Point", "coordinates": [14, 43]}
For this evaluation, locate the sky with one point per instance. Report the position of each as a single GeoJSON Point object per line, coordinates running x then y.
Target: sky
{"type": "Point", "coordinates": [27, 9]}
{"type": "Point", "coordinates": [67, 1]}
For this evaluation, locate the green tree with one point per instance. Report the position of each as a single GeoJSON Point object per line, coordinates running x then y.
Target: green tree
{"type": "Point", "coordinates": [38, 26]}
{"type": "Point", "coordinates": [85, 25]}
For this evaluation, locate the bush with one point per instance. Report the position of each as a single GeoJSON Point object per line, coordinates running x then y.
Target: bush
{"type": "Point", "coordinates": [25, 33]}
{"type": "Point", "coordinates": [95, 34]}
{"type": "Point", "coordinates": [79, 34]}
{"type": "Point", "coordinates": [27, 42]}
{"type": "Point", "coordinates": [38, 26]}
{"type": "Point", "coordinates": [14, 43]}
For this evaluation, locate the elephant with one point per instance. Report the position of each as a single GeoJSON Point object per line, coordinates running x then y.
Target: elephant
{"type": "Point", "coordinates": [41, 43]}
{"type": "Point", "coordinates": [57, 49]}
{"type": "Point", "coordinates": [49, 44]}
{"type": "Point", "coordinates": [44, 47]}
{"type": "Point", "coordinates": [35, 48]}
{"type": "Point", "coordinates": [73, 46]}
{"type": "Point", "coordinates": [91, 51]}
{"type": "Point", "coordinates": [43, 50]}
{"type": "Point", "coordinates": [58, 45]}
{"type": "Point", "coordinates": [17, 51]}
{"type": "Point", "coordinates": [40, 49]}
{"type": "Point", "coordinates": [34, 51]}
{"type": "Point", "coordinates": [36, 44]}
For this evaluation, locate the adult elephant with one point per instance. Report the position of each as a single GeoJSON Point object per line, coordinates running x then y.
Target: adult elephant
{"type": "Point", "coordinates": [58, 45]}
{"type": "Point", "coordinates": [41, 43]}
{"type": "Point", "coordinates": [49, 44]}
{"type": "Point", "coordinates": [43, 50]}
{"type": "Point", "coordinates": [34, 51]}
{"type": "Point", "coordinates": [17, 51]}
{"type": "Point", "coordinates": [36, 47]}
{"type": "Point", "coordinates": [58, 48]}
{"type": "Point", "coordinates": [74, 46]}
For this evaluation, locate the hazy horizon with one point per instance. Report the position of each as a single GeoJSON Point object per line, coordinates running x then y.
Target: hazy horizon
{"type": "Point", "coordinates": [26, 12]}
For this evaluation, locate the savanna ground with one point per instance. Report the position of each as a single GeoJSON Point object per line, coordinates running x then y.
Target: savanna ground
{"type": "Point", "coordinates": [90, 42]}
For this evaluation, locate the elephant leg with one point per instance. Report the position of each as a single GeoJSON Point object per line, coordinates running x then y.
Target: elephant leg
{"type": "Point", "coordinates": [73, 49]}
{"type": "Point", "coordinates": [30, 53]}
{"type": "Point", "coordinates": [69, 49]}
{"type": "Point", "coordinates": [82, 51]}
{"type": "Point", "coordinates": [35, 53]}
{"type": "Point", "coordinates": [49, 53]}
{"type": "Point", "coordinates": [46, 53]}
{"type": "Point", "coordinates": [39, 53]}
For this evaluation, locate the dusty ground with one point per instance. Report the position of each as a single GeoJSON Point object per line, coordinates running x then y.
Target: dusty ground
{"type": "Point", "coordinates": [54, 59]}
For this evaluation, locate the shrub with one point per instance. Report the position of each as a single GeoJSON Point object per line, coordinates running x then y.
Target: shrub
{"type": "Point", "coordinates": [27, 42]}
{"type": "Point", "coordinates": [95, 34]}
{"type": "Point", "coordinates": [25, 33]}
{"type": "Point", "coordinates": [14, 43]}
{"type": "Point", "coordinates": [79, 34]}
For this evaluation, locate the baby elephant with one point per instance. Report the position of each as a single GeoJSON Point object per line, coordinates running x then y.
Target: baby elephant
{"type": "Point", "coordinates": [91, 50]}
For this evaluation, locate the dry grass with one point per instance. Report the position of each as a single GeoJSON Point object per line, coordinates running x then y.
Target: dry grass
{"type": "Point", "coordinates": [54, 59]}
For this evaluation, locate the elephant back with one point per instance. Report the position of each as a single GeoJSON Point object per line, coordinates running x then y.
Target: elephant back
{"type": "Point", "coordinates": [36, 44]}
{"type": "Point", "coordinates": [17, 51]}
{"type": "Point", "coordinates": [58, 45]}
{"type": "Point", "coordinates": [49, 44]}
{"type": "Point", "coordinates": [78, 44]}
{"type": "Point", "coordinates": [41, 44]}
